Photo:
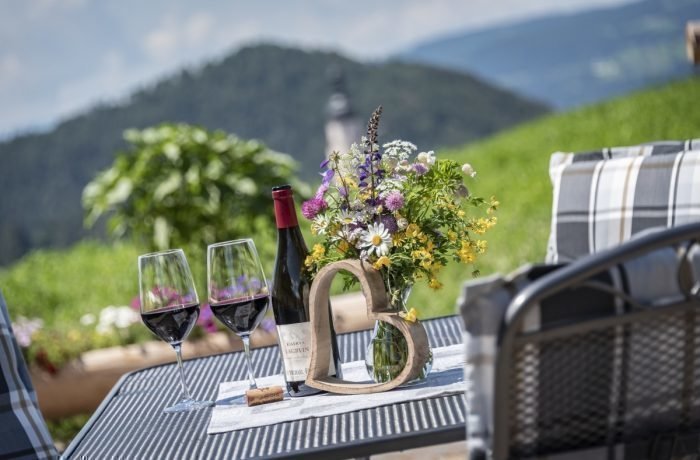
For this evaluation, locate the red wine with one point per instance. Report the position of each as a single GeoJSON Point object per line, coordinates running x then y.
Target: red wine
{"type": "Point", "coordinates": [290, 298]}
{"type": "Point", "coordinates": [174, 324]}
{"type": "Point", "coordinates": [242, 315]}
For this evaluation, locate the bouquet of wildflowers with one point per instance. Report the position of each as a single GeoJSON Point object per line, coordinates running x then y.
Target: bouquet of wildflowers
{"type": "Point", "coordinates": [400, 211]}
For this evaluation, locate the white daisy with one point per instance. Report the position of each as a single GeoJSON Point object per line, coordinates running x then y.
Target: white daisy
{"type": "Point", "coordinates": [376, 239]}
{"type": "Point", "coordinates": [346, 217]}
{"type": "Point", "coordinates": [320, 224]}
{"type": "Point", "coordinates": [427, 158]}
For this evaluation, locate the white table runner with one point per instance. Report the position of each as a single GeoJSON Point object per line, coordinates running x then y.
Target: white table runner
{"type": "Point", "coordinates": [447, 377]}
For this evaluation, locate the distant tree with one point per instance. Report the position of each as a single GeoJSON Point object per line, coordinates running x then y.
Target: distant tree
{"type": "Point", "coordinates": [183, 186]}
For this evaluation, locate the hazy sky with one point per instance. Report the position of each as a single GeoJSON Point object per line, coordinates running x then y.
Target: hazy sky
{"type": "Point", "coordinates": [58, 57]}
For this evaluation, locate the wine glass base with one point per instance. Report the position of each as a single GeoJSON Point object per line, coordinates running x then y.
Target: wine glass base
{"type": "Point", "coordinates": [239, 400]}
{"type": "Point", "coordinates": [188, 405]}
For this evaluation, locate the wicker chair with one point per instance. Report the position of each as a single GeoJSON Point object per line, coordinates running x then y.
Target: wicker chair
{"type": "Point", "coordinates": [598, 357]}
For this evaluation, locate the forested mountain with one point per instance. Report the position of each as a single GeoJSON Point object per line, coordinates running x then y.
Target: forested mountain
{"type": "Point", "coordinates": [274, 94]}
{"type": "Point", "coordinates": [568, 60]}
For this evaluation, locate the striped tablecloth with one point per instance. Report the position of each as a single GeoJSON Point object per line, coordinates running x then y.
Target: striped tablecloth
{"type": "Point", "coordinates": [130, 422]}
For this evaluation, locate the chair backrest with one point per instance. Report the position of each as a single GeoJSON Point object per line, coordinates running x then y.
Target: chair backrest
{"type": "Point", "coordinates": [23, 432]}
{"type": "Point", "coordinates": [578, 370]}
{"type": "Point", "coordinates": [615, 379]}
{"type": "Point", "coordinates": [603, 198]}
{"type": "Point", "coordinates": [597, 361]}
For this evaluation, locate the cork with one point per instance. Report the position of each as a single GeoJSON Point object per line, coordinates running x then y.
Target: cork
{"type": "Point", "coordinates": [264, 395]}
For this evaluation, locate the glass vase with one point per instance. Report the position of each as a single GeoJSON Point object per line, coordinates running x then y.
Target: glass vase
{"type": "Point", "coordinates": [387, 349]}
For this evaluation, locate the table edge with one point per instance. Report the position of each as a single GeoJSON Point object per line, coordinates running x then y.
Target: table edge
{"type": "Point", "coordinates": [385, 443]}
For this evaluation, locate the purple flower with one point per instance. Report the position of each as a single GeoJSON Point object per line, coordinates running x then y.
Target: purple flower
{"type": "Point", "coordinates": [394, 201]}
{"type": "Point", "coordinates": [419, 168]}
{"type": "Point", "coordinates": [325, 183]}
{"type": "Point", "coordinates": [322, 189]}
{"type": "Point", "coordinates": [328, 176]}
{"type": "Point", "coordinates": [389, 223]}
{"type": "Point", "coordinates": [312, 207]}
{"type": "Point", "coordinates": [268, 324]}
{"type": "Point", "coordinates": [24, 329]}
{"type": "Point", "coordinates": [206, 319]}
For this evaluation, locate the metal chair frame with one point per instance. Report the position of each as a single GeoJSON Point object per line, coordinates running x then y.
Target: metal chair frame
{"type": "Point", "coordinates": [576, 275]}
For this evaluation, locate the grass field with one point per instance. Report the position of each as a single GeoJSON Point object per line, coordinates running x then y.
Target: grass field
{"type": "Point", "coordinates": [61, 285]}
{"type": "Point", "coordinates": [513, 166]}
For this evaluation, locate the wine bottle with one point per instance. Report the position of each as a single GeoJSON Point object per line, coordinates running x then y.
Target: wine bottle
{"type": "Point", "coordinates": [290, 297]}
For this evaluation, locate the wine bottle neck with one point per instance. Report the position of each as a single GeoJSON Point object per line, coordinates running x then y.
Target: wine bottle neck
{"type": "Point", "coordinates": [285, 211]}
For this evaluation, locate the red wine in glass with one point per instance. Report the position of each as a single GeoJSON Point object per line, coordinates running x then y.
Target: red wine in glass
{"type": "Point", "coordinates": [169, 308]}
{"type": "Point", "coordinates": [242, 315]}
{"type": "Point", "coordinates": [172, 325]}
{"type": "Point", "coordinates": [238, 293]}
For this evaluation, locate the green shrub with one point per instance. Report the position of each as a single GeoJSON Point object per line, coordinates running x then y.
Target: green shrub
{"type": "Point", "coordinates": [183, 186]}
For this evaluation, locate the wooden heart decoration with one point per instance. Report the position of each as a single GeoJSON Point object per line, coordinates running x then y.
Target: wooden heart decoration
{"type": "Point", "coordinates": [377, 303]}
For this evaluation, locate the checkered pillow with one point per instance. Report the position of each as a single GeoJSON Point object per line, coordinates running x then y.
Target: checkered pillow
{"type": "Point", "coordinates": [23, 433]}
{"type": "Point", "coordinates": [603, 198]}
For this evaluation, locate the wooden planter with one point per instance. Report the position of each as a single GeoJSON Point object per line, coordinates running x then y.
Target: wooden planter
{"type": "Point", "coordinates": [80, 386]}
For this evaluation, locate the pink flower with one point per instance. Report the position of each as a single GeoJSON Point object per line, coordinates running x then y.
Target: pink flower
{"type": "Point", "coordinates": [206, 319]}
{"type": "Point", "coordinates": [394, 201]}
{"type": "Point", "coordinates": [312, 207]}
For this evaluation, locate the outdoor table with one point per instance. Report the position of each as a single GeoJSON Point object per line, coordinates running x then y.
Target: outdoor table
{"type": "Point", "coordinates": [130, 422]}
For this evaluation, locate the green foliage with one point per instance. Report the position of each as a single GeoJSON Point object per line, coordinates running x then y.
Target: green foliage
{"type": "Point", "coordinates": [63, 431]}
{"type": "Point", "coordinates": [183, 186]}
{"type": "Point", "coordinates": [60, 286]}
{"type": "Point", "coordinates": [277, 95]}
{"type": "Point", "coordinates": [513, 166]}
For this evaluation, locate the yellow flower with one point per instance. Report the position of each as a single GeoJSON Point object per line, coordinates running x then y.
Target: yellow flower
{"type": "Point", "coordinates": [466, 253]}
{"type": "Point", "coordinates": [434, 284]}
{"type": "Point", "coordinates": [461, 213]}
{"type": "Point", "coordinates": [493, 205]}
{"type": "Point", "coordinates": [397, 239]}
{"type": "Point", "coordinates": [318, 251]}
{"type": "Point", "coordinates": [412, 230]}
{"type": "Point", "coordinates": [481, 246]}
{"type": "Point", "coordinates": [343, 247]}
{"type": "Point", "coordinates": [452, 236]}
{"type": "Point", "coordinates": [383, 261]}
{"type": "Point", "coordinates": [481, 224]}
{"type": "Point", "coordinates": [309, 261]}
{"type": "Point", "coordinates": [410, 315]}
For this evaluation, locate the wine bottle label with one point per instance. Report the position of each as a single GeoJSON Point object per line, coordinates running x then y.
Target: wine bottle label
{"type": "Point", "coordinates": [295, 344]}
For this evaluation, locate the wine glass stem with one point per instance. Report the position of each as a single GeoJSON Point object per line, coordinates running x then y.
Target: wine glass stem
{"type": "Point", "coordinates": [246, 347]}
{"type": "Point", "coordinates": [183, 383]}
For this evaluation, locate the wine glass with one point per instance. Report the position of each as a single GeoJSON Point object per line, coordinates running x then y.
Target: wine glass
{"type": "Point", "coordinates": [238, 293]}
{"type": "Point", "coordinates": [169, 308]}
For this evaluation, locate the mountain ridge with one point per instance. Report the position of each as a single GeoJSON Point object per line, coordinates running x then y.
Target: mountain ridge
{"type": "Point", "coordinates": [266, 92]}
{"type": "Point", "coordinates": [572, 59]}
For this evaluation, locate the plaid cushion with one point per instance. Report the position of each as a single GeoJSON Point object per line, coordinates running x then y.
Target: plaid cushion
{"type": "Point", "coordinates": [602, 198]}
{"type": "Point", "coordinates": [22, 429]}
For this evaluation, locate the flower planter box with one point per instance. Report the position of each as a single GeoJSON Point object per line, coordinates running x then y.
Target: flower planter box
{"type": "Point", "coordinates": [80, 386]}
